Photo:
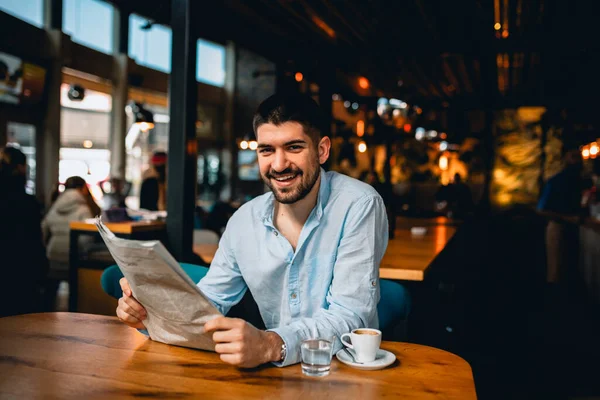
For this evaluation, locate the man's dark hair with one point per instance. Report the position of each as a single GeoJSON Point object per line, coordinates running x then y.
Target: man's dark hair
{"type": "Point", "coordinates": [11, 178]}
{"type": "Point", "coordinates": [281, 108]}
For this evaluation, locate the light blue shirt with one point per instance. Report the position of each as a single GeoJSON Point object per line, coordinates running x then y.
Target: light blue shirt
{"type": "Point", "coordinates": [328, 286]}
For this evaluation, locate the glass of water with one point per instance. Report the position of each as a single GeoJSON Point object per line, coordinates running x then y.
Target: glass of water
{"type": "Point", "coordinates": [316, 357]}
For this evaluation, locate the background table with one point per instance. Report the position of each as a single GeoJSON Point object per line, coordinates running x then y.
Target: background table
{"type": "Point", "coordinates": [142, 230]}
{"type": "Point", "coordinates": [84, 356]}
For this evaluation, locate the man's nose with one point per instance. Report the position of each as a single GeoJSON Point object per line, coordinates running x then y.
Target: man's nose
{"type": "Point", "coordinates": [280, 161]}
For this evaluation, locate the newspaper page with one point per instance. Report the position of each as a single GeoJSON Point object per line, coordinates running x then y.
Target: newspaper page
{"type": "Point", "coordinates": [177, 309]}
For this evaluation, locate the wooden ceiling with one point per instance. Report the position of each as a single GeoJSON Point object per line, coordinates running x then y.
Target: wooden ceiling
{"type": "Point", "coordinates": [436, 53]}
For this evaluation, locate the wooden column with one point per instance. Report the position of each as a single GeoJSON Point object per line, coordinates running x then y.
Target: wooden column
{"type": "Point", "coordinates": [183, 147]}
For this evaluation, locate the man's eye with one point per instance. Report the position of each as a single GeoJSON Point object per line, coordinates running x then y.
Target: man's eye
{"type": "Point", "coordinates": [295, 147]}
{"type": "Point", "coordinates": [264, 151]}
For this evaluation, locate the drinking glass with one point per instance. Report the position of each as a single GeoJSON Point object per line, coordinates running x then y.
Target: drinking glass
{"type": "Point", "coordinates": [316, 357]}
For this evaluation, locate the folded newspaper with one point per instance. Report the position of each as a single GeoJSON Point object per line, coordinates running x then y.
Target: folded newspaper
{"type": "Point", "coordinates": [177, 309]}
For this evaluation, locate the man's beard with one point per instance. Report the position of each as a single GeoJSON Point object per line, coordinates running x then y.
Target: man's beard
{"type": "Point", "coordinates": [293, 194]}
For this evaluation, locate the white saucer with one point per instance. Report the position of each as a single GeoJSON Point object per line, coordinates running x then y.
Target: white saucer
{"type": "Point", "coordinates": [383, 359]}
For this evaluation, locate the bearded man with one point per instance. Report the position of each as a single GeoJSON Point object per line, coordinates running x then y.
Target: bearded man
{"type": "Point", "coordinates": [308, 251]}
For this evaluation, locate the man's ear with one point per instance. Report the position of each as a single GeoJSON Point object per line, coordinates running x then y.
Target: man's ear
{"type": "Point", "coordinates": [323, 149]}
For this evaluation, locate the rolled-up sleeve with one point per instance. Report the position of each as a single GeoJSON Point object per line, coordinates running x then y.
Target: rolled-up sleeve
{"type": "Point", "coordinates": [353, 296]}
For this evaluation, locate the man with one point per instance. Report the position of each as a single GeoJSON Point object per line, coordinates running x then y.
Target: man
{"type": "Point", "coordinates": [562, 196]}
{"type": "Point", "coordinates": [153, 194]}
{"type": "Point", "coordinates": [22, 253]}
{"type": "Point", "coordinates": [309, 251]}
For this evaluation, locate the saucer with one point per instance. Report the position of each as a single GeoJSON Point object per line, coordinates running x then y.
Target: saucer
{"type": "Point", "coordinates": [383, 359]}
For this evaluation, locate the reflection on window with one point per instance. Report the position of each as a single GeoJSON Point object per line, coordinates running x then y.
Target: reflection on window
{"type": "Point", "coordinates": [149, 44]}
{"type": "Point", "coordinates": [30, 11]}
{"type": "Point", "coordinates": [210, 64]}
{"type": "Point", "coordinates": [22, 136]}
{"type": "Point", "coordinates": [90, 23]}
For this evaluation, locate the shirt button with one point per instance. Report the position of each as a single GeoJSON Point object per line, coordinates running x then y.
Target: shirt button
{"type": "Point", "coordinates": [294, 296]}
{"type": "Point", "coordinates": [275, 233]}
{"type": "Point", "coordinates": [373, 283]}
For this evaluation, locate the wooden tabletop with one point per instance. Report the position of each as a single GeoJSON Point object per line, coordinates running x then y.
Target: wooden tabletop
{"type": "Point", "coordinates": [83, 356]}
{"type": "Point", "coordinates": [408, 257]}
{"type": "Point", "coordinates": [126, 228]}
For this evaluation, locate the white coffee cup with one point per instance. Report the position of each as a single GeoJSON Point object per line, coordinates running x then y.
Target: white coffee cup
{"type": "Point", "coordinates": [365, 343]}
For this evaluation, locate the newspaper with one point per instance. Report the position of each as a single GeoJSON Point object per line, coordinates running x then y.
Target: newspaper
{"type": "Point", "coordinates": [177, 309]}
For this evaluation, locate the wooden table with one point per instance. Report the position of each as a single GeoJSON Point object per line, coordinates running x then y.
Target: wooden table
{"type": "Point", "coordinates": [143, 230]}
{"type": "Point", "coordinates": [84, 356]}
{"type": "Point", "coordinates": [407, 257]}
{"type": "Point", "coordinates": [130, 228]}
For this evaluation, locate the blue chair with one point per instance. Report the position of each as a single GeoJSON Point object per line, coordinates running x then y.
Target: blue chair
{"type": "Point", "coordinates": [394, 304]}
{"type": "Point", "coordinates": [112, 275]}
{"type": "Point", "coordinates": [393, 307]}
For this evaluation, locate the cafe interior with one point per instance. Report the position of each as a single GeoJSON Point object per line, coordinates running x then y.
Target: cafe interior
{"type": "Point", "coordinates": [473, 120]}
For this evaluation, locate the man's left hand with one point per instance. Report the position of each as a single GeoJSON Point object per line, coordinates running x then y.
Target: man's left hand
{"type": "Point", "coordinates": [241, 344]}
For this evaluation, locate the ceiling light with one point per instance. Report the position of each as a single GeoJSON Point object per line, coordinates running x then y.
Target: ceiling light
{"type": "Point", "coordinates": [141, 116]}
{"type": "Point", "coordinates": [363, 82]}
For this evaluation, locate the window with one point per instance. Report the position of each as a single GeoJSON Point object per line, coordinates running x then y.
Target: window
{"type": "Point", "coordinates": [149, 44]}
{"type": "Point", "coordinates": [210, 63]}
{"type": "Point", "coordinates": [30, 11]}
{"type": "Point", "coordinates": [84, 138]}
{"type": "Point", "coordinates": [90, 23]}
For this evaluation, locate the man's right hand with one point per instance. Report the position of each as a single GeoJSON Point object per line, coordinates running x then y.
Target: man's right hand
{"type": "Point", "coordinates": [129, 310]}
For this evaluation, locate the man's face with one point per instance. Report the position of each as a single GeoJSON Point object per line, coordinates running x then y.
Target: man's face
{"type": "Point", "coordinates": [289, 161]}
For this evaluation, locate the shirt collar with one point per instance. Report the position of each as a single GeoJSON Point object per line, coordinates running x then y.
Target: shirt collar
{"type": "Point", "coordinates": [322, 198]}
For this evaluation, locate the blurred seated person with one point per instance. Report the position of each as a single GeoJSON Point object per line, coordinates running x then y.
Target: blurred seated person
{"type": "Point", "coordinates": [22, 253]}
{"type": "Point", "coordinates": [74, 204]}
{"type": "Point", "coordinates": [562, 195]}
{"type": "Point", "coordinates": [461, 197]}
{"type": "Point", "coordinates": [153, 194]}
{"type": "Point", "coordinates": [454, 200]}
{"type": "Point", "coordinates": [114, 190]}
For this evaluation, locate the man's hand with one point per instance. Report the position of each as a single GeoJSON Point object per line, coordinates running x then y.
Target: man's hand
{"type": "Point", "coordinates": [129, 310]}
{"type": "Point", "coordinates": [241, 344]}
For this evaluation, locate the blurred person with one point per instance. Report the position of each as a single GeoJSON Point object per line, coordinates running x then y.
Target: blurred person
{"type": "Point", "coordinates": [561, 197]}
{"type": "Point", "coordinates": [308, 251]}
{"type": "Point", "coordinates": [590, 201]}
{"type": "Point", "coordinates": [74, 204]}
{"type": "Point", "coordinates": [153, 194]}
{"type": "Point", "coordinates": [454, 200]}
{"type": "Point", "coordinates": [461, 198]}
{"type": "Point", "coordinates": [22, 253]}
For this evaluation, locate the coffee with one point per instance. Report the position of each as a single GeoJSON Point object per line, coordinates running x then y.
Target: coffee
{"type": "Point", "coordinates": [365, 332]}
